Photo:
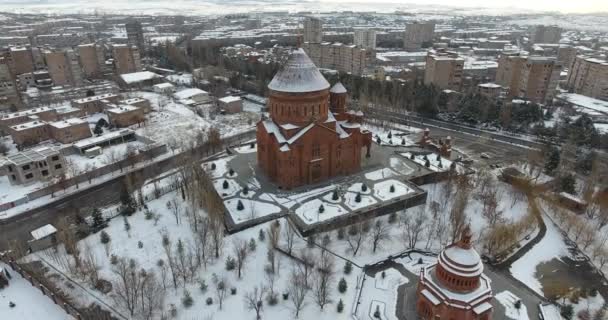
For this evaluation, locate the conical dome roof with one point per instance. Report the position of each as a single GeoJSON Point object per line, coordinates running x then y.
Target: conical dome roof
{"type": "Point", "coordinates": [338, 88]}
{"type": "Point", "coordinates": [298, 75]}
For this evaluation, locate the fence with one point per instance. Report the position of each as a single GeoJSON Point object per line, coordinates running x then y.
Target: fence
{"type": "Point", "coordinates": [50, 293]}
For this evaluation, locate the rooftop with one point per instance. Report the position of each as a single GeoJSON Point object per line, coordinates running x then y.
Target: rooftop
{"type": "Point", "coordinates": [29, 156]}
{"type": "Point", "coordinates": [298, 75]}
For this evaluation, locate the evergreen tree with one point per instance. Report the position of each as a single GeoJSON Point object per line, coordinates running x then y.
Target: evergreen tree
{"type": "Point", "coordinates": [567, 312]}
{"type": "Point", "coordinates": [363, 187]}
{"type": "Point", "coordinates": [342, 286]}
{"type": "Point", "coordinates": [239, 206]}
{"type": "Point", "coordinates": [225, 184]}
{"type": "Point", "coordinates": [252, 244]}
{"type": "Point", "coordinates": [392, 188]}
{"type": "Point", "coordinates": [348, 267]}
{"type": "Point", "coordinates": [552, 161]}
{"type": "Point", "coordinates": [128, 205]}
{"type": "Point", "coordinates": [98, 221]}
{"type": "Point", "coordinates": [358, 197]}
{"type": "Point", "coordinates": [334, 195]}
{"type": "Point", "coordinates": [568, 184]}
{"type": "Point", "coordinates": [104, 237]}
{"type": "Point", "coordinates": [427, 163]}
{"type": "Point", "coordinates": [340, 306]}
{"type": "Point", "coordinates": [98, 130]}
{"type": "Point", "coordinates": [321, 208]}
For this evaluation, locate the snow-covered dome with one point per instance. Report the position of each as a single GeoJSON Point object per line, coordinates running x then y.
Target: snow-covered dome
{"type": "Point", "coordinates": [298, 75]}
{"type": "Point", "coordinates": [338, 88]}
{"type": "Point", "coordinates": [459, 265]}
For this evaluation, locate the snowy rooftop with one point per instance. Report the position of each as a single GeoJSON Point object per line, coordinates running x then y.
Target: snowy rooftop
{"type": "Point", "coordinates": [229, 99]}
{"type": "Point", "coordinates": [43, 232]}
{"type": "Point", "coordinates": [106, 137]}
{"type": "Point", "coordinates": [28, 125]}
{"type": "Point", "coordinates": [189, 93]}
{"type": "Point", "coordinates": [338, 88]}
{"type": "Point", "coordinates": [31, 155]}
{"type": "Point", "coordinates": [139, 76]}
{"type": "Point", "coordinates": [585, 102]}
{"type": "Point", "coordinates": [67, 123]}
{"type": "Point", "coordinates": [95, 98]}
{"type": "Point", "coordinates": [299, 74]}
{"type": "Point", "coordinates": [163, 85]}
{"type": "Point", "coordinates": [123, 109]}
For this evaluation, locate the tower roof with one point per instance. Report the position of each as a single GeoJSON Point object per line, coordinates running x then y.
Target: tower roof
{"type": "Point", "coordinates": [338, 88]}
{"type": "Point", "coordinates": [461, 258]}
{"type": "Point", "coordinates": [298, 75]}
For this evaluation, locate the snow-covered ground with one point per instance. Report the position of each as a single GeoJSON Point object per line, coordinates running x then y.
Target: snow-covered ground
{"type": "Point", "coordinates": [509, 301]}
{"type": "Point", "coordinates": [110, 154]}
{"type": "Point", "coordinates": [381, 292]}
{"type": "Point", "coordinates": [437, 163]}
{"type": "Point", "coordinates": [10, 193]}
{"type": "Point", "coordinates": [30, 303]}
{"type": "Point", "coordinates": [251, 209]}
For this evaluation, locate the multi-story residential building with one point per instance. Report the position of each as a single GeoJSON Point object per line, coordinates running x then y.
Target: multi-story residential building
{"type": "Point", "coordinates": [444, 70]}
{"type": "Point", "coordinates": [313, 30]}
{"type": "Point", "coordinates": [566, 55]}
{"type": "Point", "coordinates": [64, 68]}
{"type": "Point", "coordinates": [30, 166]}
{"type": "Point", "coordinates": [589, 77]}
{"type": "Point", "coordinates": [91, 60]}
{"type": "Point", "coordinates": [509, 69]}
{"type": "Point", "coordinates": [96, 103]}
{"type": "Point", "coordinates": [125, 115]}
{"type": "Point", "coordinates": [546, 34]}
{"type": "Point", "coordinates": [20, 60]}
{"type": "Point", "coordinates": [135, 35]}
{"type": "Point", "coordinates": [345, 58]}
{"type": "Point", "coordinates": [126, 59]}
{"type": "Point", "coordinates": [57, 40]}
{"type": "Point", "coordinates": [539, 79]}
{"type": "Point", "coordinates": [365, 38]}
{"type": "Point", "coordinates": [44, 113]}
{"type": "Point", "coordinates": [417, 34]}
{"type": "Point", "coordinates": [9, 95]}
{"type": "Point", "coordinates": [29, 133]}
{"type": "Point", "coordinates": [490, 90]}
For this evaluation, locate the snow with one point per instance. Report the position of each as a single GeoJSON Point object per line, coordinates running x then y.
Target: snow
{"type": "Point", "coordinates": [30, 303]}
{"type": "Point", "coordinates": [139, 76]}
{"type": "Point", "coordinates": [508, 300]}
{"type": "Point", "coordinates": [380, 174]}
{"type": "Point", "coordinates": [221, 167]}
{"type": "Point", "coordinates": [247, 148]}
{"type": "Point", "coordinates": [551, 247]}
{"type": "Point", "coordinates": [382, 189]}
{"type": "Point", "coordinates": [382, 292]}
{"type": "Point", "coordinates": [550, 312]}
{"type": "Point", "coordinates": [585, 102]}
{"type": "Point", "coordinates": [309, 211]}
{"type": "Point", "coordinates": [589, 303]}
{"type": "Point", "coordinates": [338, 88]}
{"type": "Point", "coordinates": [434, 163]}
{"type": "Point", "coordinates": [601, 127]}
{"type": "Point", "coordinates": [189, 93]}
{"type": "Point", "coordinates": [183, 79]}
{"type": "Point", "coordinates": [229, 99]}
{"type": "Point", "coordinates": [10, 193]}
{"type": "Point", "coordinates": [232, 190]}
{"type": "Point", "coordinates": [251, 209]}
{"type": "Point", "coordinates": [299, 74]}
{"type": "Point", "coordinates": [402, 166]}
{"type": "Point", "coordinates": [366, 201]}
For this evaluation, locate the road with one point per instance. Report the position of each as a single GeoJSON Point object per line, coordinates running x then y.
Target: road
{"type": "Point", "coordinates": [101, 195]}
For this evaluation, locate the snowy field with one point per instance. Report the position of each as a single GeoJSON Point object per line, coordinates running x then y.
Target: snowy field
{"type": "Point", "coordinates": [110, 155]}
{"type": "Point", "coordinates": [30, 303]}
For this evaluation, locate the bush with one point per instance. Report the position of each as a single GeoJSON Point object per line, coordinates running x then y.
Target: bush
{"type": "Point", "coordinates": [272, 299]}
{"type": "Point", "coordinates": [403, 141]}
{"type": "Point", "coordinates": [209, 301]}
{"type": "Point", "coordinates": [383, 274]}
{"type": "Point", "coordinates": [245, 190]}
{"type": "Point", "coordinates": [231, 172]}
{"type": "Point", "coordinates": [213, 166]}
{"type": "Point", "coordinates": [427, 163]}
{"type": "Point", "coordinates": [377, 312]}
{"type": "Point", "coordinates": [252, 245]}
{"type": "Point", "coordinates": [326, 240]}
{"type": "Point", "coordinates": [202, 285]}
{"type": "Point", "coordinates": [262, 235]}
{"type": "Point", "coordinates": [173, 310]}
{"type": "Point", "coordinates": [392, 189]}
{"type": "Point", "coordinates": [149, 215]}
{"type": "Point", "coordinates": [567, 312]}
{"type": "Point", "coordinates": [240, 206]}
{"type": "Point", "coordinates": [392, 218]}
{"type": "Point", "coordinates": [285, 295]}
{"type": "Point", "coordinates": [340, 306]}
{"type": "Point", "coordinates": [321, 208]}
{"type": "Point", "coordinates": [104, 237]}
{"type": "Point", "coordinates": [390, 135]}
{"type": "Point", "coordinates": [358, 197]}
{"type": "Point", "coordinates": [363, 187]}
{"type": "Point", "coordinates": [140, 244]}
{"type": "Point", "coordinates": [348, 267]}
{"type": "Point", "coordinates": [230, 263]}
{"type": "Point", "coordinates": [233, 291]}
{"type": "Point", "coordinates": [334, 196]}
{"type": "Point", "coordinates": [225, 184]}
{"type": "Point", "coordinates": [113, 259]}
{"type": "Point", "coordinates": [187, 299]}
{"type": "Point", "coordinates": [341, 234]}
{"type": "Point", "coordinates": [517, 304]}
{"type": "Point", "coordinates": [593, 292]}
{"type": "Point", "coordinates": [342, 286]}
{"type": "Point", "coordinates": [412, 156]}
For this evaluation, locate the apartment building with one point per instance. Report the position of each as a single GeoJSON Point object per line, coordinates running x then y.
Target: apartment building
{"type": "Point", "coordinates": [29, 133]}
{"type": "Point", "coordinates": [35, 165]}
{"type": "Point", "coordinates": [57, 40]}
{"type": "Point", "coordinates": [566, 55]}
{"type": "Point", "coordinates": [20, 60]}
{"type": "Point", "coordinates": [417, 34]}
{"type": "Point", "coordinates": [69, 130]}
{"type": "Point", "coordinates": [490, 90]}
{"type": "Point", "coordinates": [135, 35]}
{"type": "Point", "coordinates": [15, 118]}
{"type": "Point", "coordinates": [96, 103]}
{"type": "Point", "coordinates": [337, 56]}
{"type": "Point", "coordinates": [589, 76]}
{"type": "Point", "coordinates": [313, 30]}
{"type": "Point", "coordinates": [365, 38]}
{"type": "Point", "coordinates": [10, 99]}
{"type": "Point", "coordinates": [546, 34]}
{"type": "Point", "coordinates": [91, 60]}
{"type": "Point", "coordinates": [64, 67]}
{"type": "Point", "coordinates": [125, 115]}
{"type": "Point", "coordinates": [509, 69]}
{"type": "Point", "coordinates": [539, 79]}
{"type": "Point", "coordinates": [444, 70]}
{"type": "Point", "coordinates": [126, 59]}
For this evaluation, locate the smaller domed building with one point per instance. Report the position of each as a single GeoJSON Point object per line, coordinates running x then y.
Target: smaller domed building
{"type": "Point", "coordinates": [455, 287]}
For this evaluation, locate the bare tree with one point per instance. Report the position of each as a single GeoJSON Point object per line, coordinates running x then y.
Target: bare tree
{"type": "Point", "coordinates": [253, 300]}
{"type": "Point", "coordinates": [323, 278]}
{"type": "Point", "coordinates": [379, 234]}
{"type": "Point", "coordinates": [217, 236]}
{"type": "Point", "coordinates": [221, 290]}
{"type": "Point", "coordinates": [174, 206]}
{"type": "Point", "coordinates": [458, 215]}
{"type": "Point", "coordinates": [413, 227]}
{"type": "Point", "coordinates": [297, 291]}
{"type": "Point", "coordinates": [355, 237]}
{"type": "Point", "coordinates": [290, 235]}
{"type": "Point", "coordinates": [240, 252]}
{"type": "Point", "coordinates": [166, 242]}
{"type": "Point", "coordinates": [126, 287]}
{"type": "Point", "coordinates": [73, 170]}
{"type": "Point", "coordinates": [274, 232]}
{"type": "Point", "coordinates": [489, 199]}
{"type": "Point", "coordinates": [152, 296]}
{"type": "Point", "coordinates": [202, 241]}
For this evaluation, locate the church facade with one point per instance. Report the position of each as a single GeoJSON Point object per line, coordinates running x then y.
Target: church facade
{"type": "Point", "coordinates": [310, 135]}
{"type": "Point", "coordinates": [455, 288]}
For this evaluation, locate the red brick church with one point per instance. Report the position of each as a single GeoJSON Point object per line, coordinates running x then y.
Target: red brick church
{"type": "Point", "coordinates": [455, 288]}
{"type": "Point", "coordinates": [310, 135]}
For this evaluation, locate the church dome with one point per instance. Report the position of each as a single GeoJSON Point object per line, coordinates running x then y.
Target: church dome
{"type": "Point", "coordinates": [338, 88]}
{"type": "Point", "coordinates": [459, 266]}
{"type": "Point", "coordinates": [298, 75]}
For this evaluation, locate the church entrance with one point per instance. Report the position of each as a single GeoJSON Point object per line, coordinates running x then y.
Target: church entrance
{"type": "Point", "coordinates": [315, 171]}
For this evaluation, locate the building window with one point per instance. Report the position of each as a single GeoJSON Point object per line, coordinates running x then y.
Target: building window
{"type": "Point", "coordinates": [26, 167]}
{"type": "Point", "coordinates": [58, 166]}
{"type": "Point", "coordinates": [55, 158]}
{"type": "Point", "coordinates": [10, 168]}
{"type": "Point", "coordinates": [29, 175]}
{"type": "Point", "coordinates": [45, 173]}
{"type": "Point", "coordinates": [316, 150]}
{"type": "Point", "coordinates": [13, 177]}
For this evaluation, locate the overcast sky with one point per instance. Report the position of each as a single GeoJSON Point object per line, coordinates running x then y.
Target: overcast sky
{"type": "Point", "coordinates": [543, 5]}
